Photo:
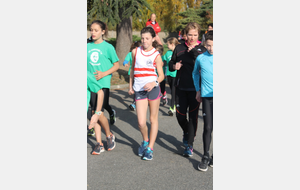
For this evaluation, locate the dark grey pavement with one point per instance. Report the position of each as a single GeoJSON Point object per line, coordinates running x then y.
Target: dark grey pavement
{"type": "Point", "coordinates": [121, 168]}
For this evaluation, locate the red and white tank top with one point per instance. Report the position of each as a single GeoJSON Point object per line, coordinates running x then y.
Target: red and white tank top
{"type": "Point", "coordinates": [144, 68]}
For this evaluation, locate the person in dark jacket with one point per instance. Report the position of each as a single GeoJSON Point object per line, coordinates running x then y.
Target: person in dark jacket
{"type": "Point", "coordinates": [183, 60]}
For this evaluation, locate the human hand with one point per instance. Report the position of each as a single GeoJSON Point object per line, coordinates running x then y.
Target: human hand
{"type": "Point", "coordinates": [198, 97]}
{"type": "Point", "coordinates": [130, 91]}
{"type": "Point", "coordinates": [149, 86]}
{"type": "Point", "coordinates": [190, 48]}
{"type": "Point", "coordinates": [93, 121]}
{"type": "Point", "coordinates": [178, 65]}
{"type": "Point", "coordinates": [98, 75]}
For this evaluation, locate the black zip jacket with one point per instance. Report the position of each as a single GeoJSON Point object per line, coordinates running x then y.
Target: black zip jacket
{"type": "Point", "coordinates": [184, 78]}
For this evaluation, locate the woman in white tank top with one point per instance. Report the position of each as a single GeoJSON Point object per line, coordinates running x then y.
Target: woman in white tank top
{"type": "Point", "coordinates": [144, 83]}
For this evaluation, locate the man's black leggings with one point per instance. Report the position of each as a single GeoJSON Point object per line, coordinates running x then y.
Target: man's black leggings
{"type": "Point", "coordinates": [105, 105]}
{"type": "Point", "coordinates": [207, 107]}
{"type": "Point", "coordinates": [187, 100]}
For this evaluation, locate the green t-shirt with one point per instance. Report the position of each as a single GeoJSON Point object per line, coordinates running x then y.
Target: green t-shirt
{"type": "Point", "coordinates": [92, 86]}
{"type": "Point", "coordinates": [128, 59]}
{"type": "Point", "coordinates": [101, 57]}
{"type": "Point", "coordinates": [167, 58]}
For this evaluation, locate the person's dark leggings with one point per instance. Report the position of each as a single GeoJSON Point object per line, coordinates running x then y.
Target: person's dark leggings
{"type": "Point", "coordinates": [105, 105]}
{"type": "Point", "coordinates": [207, 107]}
{"type": "Point", "coordinates": [163, 87]}
{"type": "Point", "coordinates": [171, 82]}
{"type": "Point", "coordinates": [186, 100]}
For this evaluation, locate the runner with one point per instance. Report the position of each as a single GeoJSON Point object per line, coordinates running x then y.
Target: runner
{"type": "Point", "coordinates": [102, 60]}
{"type": "Point", "coordinates": [172, 43]}
{"type": "Point", "coordinates": [144, 83]}
{"type": "Point", "coordinates": [204, 63]}
{"type": "Point", "coordinates": [183, 60]}
{"type": "Point", "coordinates": [98, 117]}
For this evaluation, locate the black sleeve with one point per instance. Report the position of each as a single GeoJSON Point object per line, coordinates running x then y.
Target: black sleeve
{"type": "Point", "coordinates": [173, 60]}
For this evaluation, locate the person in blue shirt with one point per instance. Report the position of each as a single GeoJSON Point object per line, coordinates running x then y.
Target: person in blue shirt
{"type": "Point", "coordinates": [204, 68]}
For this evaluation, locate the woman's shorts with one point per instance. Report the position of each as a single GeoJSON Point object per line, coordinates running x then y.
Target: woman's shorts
{"type": "Point", "coordinates": [154, 94]}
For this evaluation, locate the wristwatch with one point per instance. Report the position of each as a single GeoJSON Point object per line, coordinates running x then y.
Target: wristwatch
{"type": "Point", "coordinates": [98, 112]}
{"type": "Point", "coordinates": [156, 83]}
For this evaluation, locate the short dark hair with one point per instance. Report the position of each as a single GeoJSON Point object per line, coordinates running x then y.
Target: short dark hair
{"type": "Point", "coordinates": [210, 24]}
{"type": "Point", "coordinates": [148, 30]}
{"type": "Point", "coordinates": [209, 35]}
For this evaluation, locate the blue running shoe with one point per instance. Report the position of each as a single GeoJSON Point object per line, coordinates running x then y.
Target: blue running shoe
{"type": "Point", "coordinates": [188, 151]}
{"type": "Point", "coordinates": [142, 148]}
{"type": "Point", "coordinates": [148, 154]}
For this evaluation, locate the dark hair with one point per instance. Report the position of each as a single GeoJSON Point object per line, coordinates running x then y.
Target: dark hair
{"type": "Point", "coordinates": [210, 24]}
{"type": "Point", "coordinates": [183, 32]}
{"type": "Point", "coordinates": [160, 49]}
{"type": "Point", "coordinates": [135, 44]}
{"type": "Point", "coordinates": [148, 30]}
{"type": "Point", "coordinates": [102, 25]}
{"type": "Point", "coordinates": [209, 35]}
{"type": "Point", "coordinates": [154, 44]}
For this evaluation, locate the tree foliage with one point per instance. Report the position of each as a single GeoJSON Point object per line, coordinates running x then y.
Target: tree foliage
{"type": "Point", "coordinates": [202, 15]}
{"type": "Point", "coordinates": [113, 11]}
{"type": "Point", "coordinates": [166, 13]}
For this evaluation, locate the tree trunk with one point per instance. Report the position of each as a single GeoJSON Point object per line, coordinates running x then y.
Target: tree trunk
{"type": "Point", "coordinates": [124, 38]}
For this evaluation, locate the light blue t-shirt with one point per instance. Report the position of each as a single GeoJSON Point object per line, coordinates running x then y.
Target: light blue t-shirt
{"type": "Point", "coordinates": [204, 62]}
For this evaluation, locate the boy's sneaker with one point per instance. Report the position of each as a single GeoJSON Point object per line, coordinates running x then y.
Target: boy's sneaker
{"type": "Point", "coordinates": [142, 148]}
{"type": "Point", "coordinates": [132, 106]}
{"type": "Point", "coordinates": [113, 117]}
{"type": "Point", "coordinates": [165, 100]}
{"type": "Point", "coordinates": [98, 149]}
{"type": "Point", "coordinates": [211, 162]}
{"type": "Point", "coordinates": [91, 132]}
{"type": "Point", "coordinates": [188, 151]}
{"type": "Point", "coordinates": [203, 165]}
{"type": "Point", "coordinates": [148, 155]}
{"type": "Point", "coordinates": [111, 142]}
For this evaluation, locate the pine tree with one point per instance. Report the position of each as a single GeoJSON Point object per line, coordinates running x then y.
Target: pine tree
{"type": "Point", "coordinates": [118, 13]}
{"type": "Point", "coordinates": [202, 15]}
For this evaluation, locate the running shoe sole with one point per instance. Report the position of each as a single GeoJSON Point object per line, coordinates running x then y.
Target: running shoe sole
{"type": "Point", "coordinates": [202, 170]}
{"type": "Point", "coordinates": [96, 153]}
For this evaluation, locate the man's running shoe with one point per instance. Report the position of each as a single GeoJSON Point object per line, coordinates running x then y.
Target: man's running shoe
{"type": "Point", "coordinates": [111, 142]}
{"type": "Point", "coordinates": [142, 148]}
{"type": "Point", "coordinates": [91, 132]}
{"type": "Point", "coordinates": [132, 106]}
{"type": "Point", "coordinates": [165, 100]}
{"type": "Point", "coordinates": [211, 162]}
{"type": "Point", "coordinates": [188, 151]}
{"type": "Point", "coordinates": [203, 165]}
{"type": "Point", "coordinates": [148, 155]}
{"type": "Point", "coordinates": [98, 149]}
{"type": "Point", "coordinates": [113, 118]}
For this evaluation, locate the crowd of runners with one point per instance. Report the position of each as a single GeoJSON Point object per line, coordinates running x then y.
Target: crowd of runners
{"type": "Point", "coordinates": [187, 68]}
